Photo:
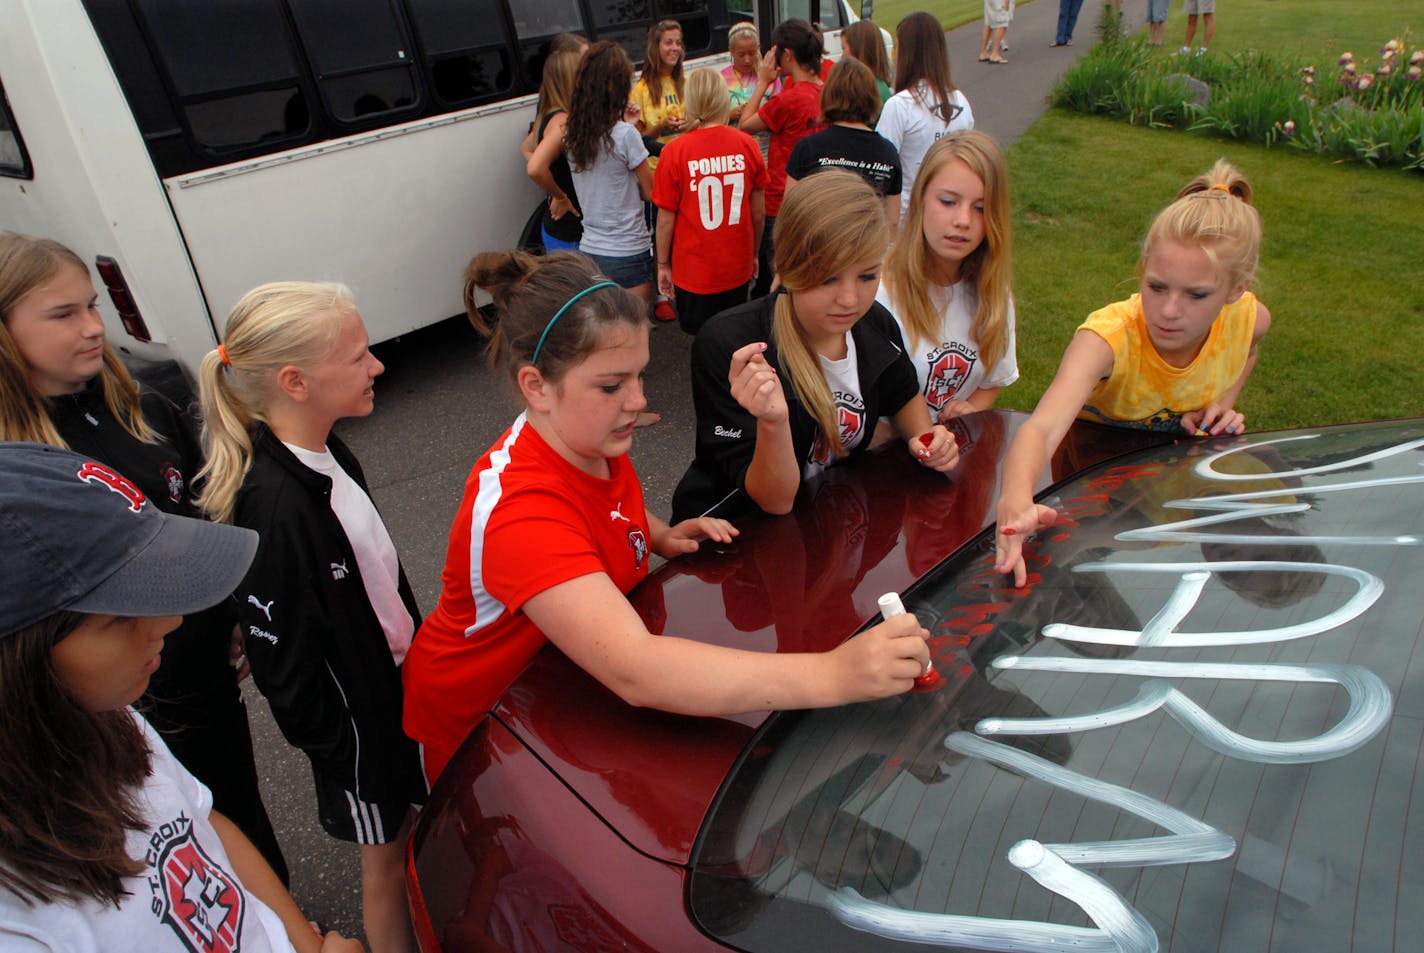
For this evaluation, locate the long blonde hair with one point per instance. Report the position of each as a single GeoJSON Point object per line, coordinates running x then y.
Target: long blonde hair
{"type": "Point", "coordinates": [829, 222]}
{"type": "Point", "coordinates": [1213, 212]}
{"type": "Point", "coordinates": [708, 101]}
{"type": "Point", "coordinates": [26, 263]}
{"type": "Point", "coordinates": [274, 325]}
{"type": "Point", "coordinates": [909, 269]}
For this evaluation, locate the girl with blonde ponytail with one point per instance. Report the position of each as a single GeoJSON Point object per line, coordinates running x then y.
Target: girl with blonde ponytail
{"type": "Point", "coordinates": [63, 384]}
{"type": "Point", "coordinates": [1173, 358]}
{"type": "Point", "coordinates": [326, 610]}
{"type": "Point", "coordinates": [786, 385]}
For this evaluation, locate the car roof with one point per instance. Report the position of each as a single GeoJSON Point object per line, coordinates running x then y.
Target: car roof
{"type": "Point", "coordinates": [803, 582]}
{"type": "Point", "coordinates": [1199, 727]}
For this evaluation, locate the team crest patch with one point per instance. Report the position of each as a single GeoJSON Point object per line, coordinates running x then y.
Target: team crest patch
{"type": "Point", "coordinates": [850, 415]}
{"type": "Point", "coordinates": [638, 542]}
{"type": "Point", "coordinates": [198, 899]}
{"type": "Point", "coordinates": [173, 479]}
{"type": "Point", "coordinates": [950, 365]}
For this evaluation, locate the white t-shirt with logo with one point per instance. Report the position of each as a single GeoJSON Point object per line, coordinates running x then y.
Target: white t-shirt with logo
{"type": "Point", "coordinates": [187, 899]}
{"type": "Point", "coordinates": [843, 378]}
{"type": "Point", "coordinates": [375, 553]}
{"type": "Point", "coordinates": [949, 367]}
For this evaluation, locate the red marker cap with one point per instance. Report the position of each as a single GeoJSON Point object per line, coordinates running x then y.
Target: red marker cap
{"type": "Point", "coordinates": [930, 679]}
{"type": "Point", "coordinates": [927, 438]}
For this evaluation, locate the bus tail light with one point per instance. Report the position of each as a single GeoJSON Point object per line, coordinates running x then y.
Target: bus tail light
{"type": "Point", "coordinates": [113, 277]}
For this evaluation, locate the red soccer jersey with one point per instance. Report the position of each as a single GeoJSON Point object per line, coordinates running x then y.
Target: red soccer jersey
{"type": "Point", "coordinates": [707, 177]}
{"type": "Point", "coordinates": [529, 520]}
{"type": "Point", "coordinates": [791, 115]}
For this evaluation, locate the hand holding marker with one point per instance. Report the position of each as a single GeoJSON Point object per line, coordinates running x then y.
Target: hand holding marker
{"type": "Point", "coordinates": [890, 605]}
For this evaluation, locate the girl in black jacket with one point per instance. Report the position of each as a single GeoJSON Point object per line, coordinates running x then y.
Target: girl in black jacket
{"type": "Point", "coordinates": [62, 384]}
{"type": "Point", "coordinates": [326, 609]}
{"type": "Point", "coordinates": [787, 385]}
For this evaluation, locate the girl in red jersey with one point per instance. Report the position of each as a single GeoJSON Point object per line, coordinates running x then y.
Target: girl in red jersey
{"type": "Point", "coordinates": [710, 190]}
{"type": "Point", "coordinates": [552, 533]}
{"type": "Point", "coordinates": [790, 116]}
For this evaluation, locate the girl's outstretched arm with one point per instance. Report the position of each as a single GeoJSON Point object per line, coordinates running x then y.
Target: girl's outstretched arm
{"type": "Point", "coordinates": [982, 399]}
{"type": "Point", "coordinates": [1222, 416]}
{"type": "Point", "coordinates": [1087, 360]}
{"type": "Point", "coordinates": [593, 624]}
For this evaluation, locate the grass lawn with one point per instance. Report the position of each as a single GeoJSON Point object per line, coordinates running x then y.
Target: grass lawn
{"type": "Point", "coordinates": [1341, 266]}
{"type": "Point", "coordinates": [951, 13]}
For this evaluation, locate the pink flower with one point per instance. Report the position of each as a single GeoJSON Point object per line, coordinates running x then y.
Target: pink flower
{"type": "Point", "coordinates": [1417, 59]}
{"type": "Point", "coordinates": [1347, 57]}
{"type": "Point", "coordinates": [1414, 72]}
{"type": "Point", "coordinates": [1393, 45]}
{"type": "Point", "coordinates": [1350, 69]}
{"type": "Point", "coordinates": [1310, 70]}
{"type": "Point", "coordinates": [1364, 82]}
{"type": "Point", "coordinates": [1384, 70]}
{"type": "Point", "coordinates": [1309, 80]}
{"type": "Point", "coordinates": [1289, 127]}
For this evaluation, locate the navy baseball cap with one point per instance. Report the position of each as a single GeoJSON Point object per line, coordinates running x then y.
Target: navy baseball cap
{"type": "Point", "coordinates": [77, 535]}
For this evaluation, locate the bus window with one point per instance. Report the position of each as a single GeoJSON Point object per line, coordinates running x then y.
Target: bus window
{"type": "Point", "coordinates": [829, 14]}
{"type": "Point", "coordinates": [625, 22]}
{"type": "Point", "coordinates": [14, 160]}
{"type": "Point", "coordinates": [231, 69]}
{"type": "Point", "coordinates": [696, 24]}
{"type": "Point", "coordinates": [360, 53]}
{"type": "Point", "coordinates": [464, 44]}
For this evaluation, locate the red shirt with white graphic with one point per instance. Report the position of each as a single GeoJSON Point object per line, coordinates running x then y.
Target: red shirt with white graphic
{"type": "Point", "coordinates": [707, 177]}
{"type": "Point", "coordinates": [529, 520]}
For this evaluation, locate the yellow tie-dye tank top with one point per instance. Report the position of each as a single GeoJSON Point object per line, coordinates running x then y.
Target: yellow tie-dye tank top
{"type": "Point", "coordinates": [1145, 391]}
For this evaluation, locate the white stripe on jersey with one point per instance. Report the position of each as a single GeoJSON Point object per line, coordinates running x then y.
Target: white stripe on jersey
{"type": "Point", "coordinates": [487, 607]}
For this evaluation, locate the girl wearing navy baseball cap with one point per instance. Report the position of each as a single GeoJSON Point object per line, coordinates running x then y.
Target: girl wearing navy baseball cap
{"type": "Point", "coordinates": [104, 834]}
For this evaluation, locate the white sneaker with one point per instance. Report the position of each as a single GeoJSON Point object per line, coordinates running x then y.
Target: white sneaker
{"type": "Point", "coordinates": [1185, 51]}
{"type": "Point", "coordinates": [1201, 52]}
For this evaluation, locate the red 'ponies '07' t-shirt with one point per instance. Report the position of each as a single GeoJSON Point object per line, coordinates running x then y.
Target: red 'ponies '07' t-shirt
{"type": "Point", "coordinates": [528, 521]}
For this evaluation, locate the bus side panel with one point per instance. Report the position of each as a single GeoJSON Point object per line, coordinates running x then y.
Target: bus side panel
{"type": "Point", "coordinates": [394, 214]}
{"type": "Point", "coordinates": [94, 186]}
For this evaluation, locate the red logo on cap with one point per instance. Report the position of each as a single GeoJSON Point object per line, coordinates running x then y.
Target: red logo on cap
{"type": "Point", "coordinates": [93, 472]}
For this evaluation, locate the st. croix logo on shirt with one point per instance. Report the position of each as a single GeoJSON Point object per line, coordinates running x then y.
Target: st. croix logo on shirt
{"type": "Point", "coordinates": [950, 365]}
{"type": "Point", "coordinates": [850, 416]}
{"type": "Point", "coordinates": [200, 901]}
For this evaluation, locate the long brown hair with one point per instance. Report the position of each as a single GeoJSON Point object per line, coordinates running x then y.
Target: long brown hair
{"type": "Point", "coordinates": [69, 778]}
{"type": "Point", "coordinates": [653, 61]}
{"type": "Point", "coordinates": [863, 40]}
{"type": "Point", "coordinates": [528, 292]}
{"type": "Point", "coordinates": [909, 268]}
{"type": "Point", "coordinates": [831, 221]}
{"type": "Point", "coordinates": [26, 263]}
{"type": "Point", "coordinates": [922, 56]}
{"type": "Point", "coordinates": [605, 77]}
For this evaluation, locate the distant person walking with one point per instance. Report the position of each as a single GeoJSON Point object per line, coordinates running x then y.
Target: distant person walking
{"type": "Point", "coordinates": [998, 14]}
{"type": "Point", "coordinates": [1206, 9]}
{"type": "Point", "coordinates": [1067, 20]}
{"type": "Point", "coordinates": [1157, 21]}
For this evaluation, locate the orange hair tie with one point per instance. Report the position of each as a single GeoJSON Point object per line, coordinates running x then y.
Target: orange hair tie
{"type": "Point", "coordinates": [222, 355]}
{"type": "Point", "coordinates": [1223, 188]}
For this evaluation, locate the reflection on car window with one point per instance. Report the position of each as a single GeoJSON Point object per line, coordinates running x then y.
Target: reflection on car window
{"type": "Point", "coordinates": [1193, 700]}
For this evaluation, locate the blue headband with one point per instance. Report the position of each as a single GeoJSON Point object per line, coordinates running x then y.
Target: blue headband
{"type": "Point", "coordinates": [560, 313]}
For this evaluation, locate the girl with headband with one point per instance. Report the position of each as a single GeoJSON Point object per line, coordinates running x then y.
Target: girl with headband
{"type": "Point", "coordinates": [1173, 357]}
{"type": "Point", "coordinates": [552, 534]}
{"type": "Point", "coordinates": [326, 608]}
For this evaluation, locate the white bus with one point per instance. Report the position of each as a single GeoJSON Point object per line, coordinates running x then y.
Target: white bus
{"type": "Point", "coordinates": [195, 148]}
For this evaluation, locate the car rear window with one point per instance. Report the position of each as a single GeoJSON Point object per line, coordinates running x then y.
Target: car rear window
{"type": "Point", "coordinates": [1199, 727]}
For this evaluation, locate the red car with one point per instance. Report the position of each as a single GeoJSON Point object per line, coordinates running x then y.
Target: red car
{"type": "Point", "coordinates": [1198, 727]}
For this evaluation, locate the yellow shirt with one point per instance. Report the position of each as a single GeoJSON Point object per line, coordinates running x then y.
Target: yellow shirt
{"type": "Point", "coordinates": [1145, 391]}
{"type": "Point", "coordinates": [654, 109]}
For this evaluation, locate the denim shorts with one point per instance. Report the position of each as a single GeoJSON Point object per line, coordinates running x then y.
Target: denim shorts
{"type": "Point", "coordinates": [629, 272]}
{"type": "Point", "coordinates": [1157, 11]}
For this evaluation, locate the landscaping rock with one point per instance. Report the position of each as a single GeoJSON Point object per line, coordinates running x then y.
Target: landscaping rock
{"type": "Point", "coordinates": [1194, 90]}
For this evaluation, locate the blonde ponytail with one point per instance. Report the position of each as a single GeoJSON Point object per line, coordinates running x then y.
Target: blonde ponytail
{"type": "Point", "coordinates": [273, 326]}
